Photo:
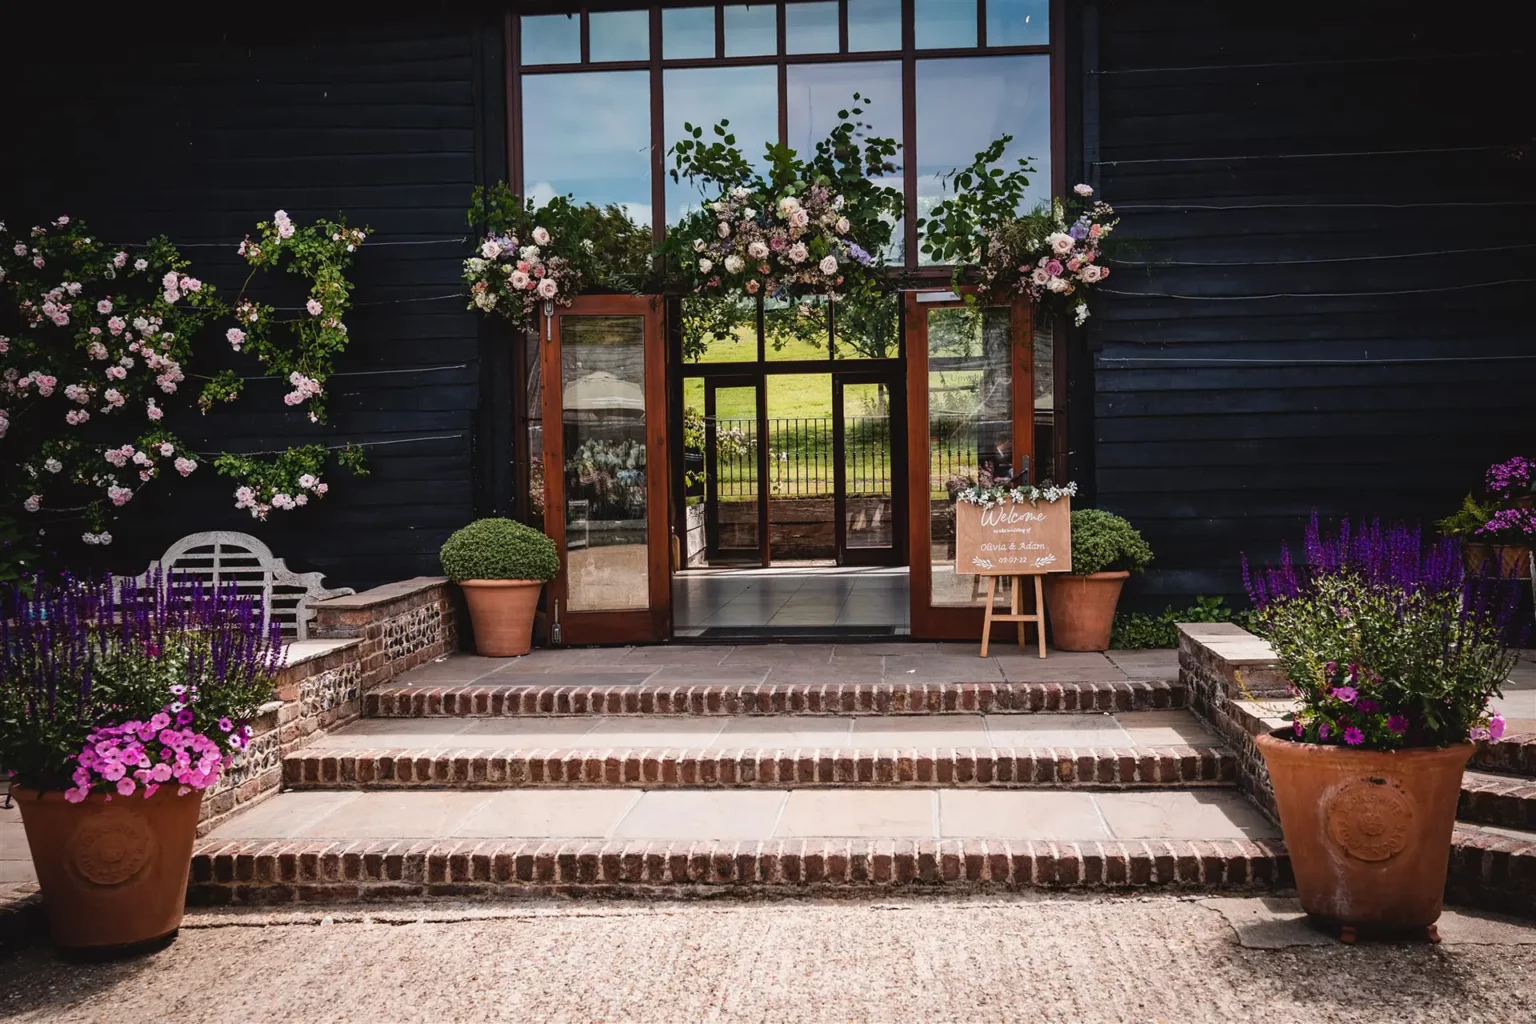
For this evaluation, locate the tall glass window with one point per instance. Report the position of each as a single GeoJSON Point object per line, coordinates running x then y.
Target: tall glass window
{"type": "Point", "coordinates": [1007, 95]}
{"type": "Point", "coordinates": [551, 39]}
{"type": "Point", "coordinates": [814, 93]}
{"type": "Point", "coordinates": [619, 35]}
{"type": "Point", "coordinates": [687, 33]}
{"type": "Point", "coordinates": [874, 25]}
{"type": "Point", "coordinates": [747, 97]}
{"type": "Point", "coordinates": [1018, 22]}
{"type": "Point", "coordinates": [751, 30]}
{"type": "Point", "coordinates": [944, 24]}
{"type": "Point", "coordinates": [589, 134]}
{"type": "Point", "coordinates": [811, 27]}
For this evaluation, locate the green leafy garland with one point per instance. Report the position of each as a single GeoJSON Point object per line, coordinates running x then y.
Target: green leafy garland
{"type": "Point", "coordinates": [1054, 254]}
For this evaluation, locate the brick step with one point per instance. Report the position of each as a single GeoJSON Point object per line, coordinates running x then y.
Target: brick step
{"type": "Point", "coordinates": [1051, 767]}
{"type": "Point", "coordinates": [1508, 801]}
{"type": "Point", "coordinates": [544, 695]}
{"type": "Point", "coordinates": [1493, 868]}
{"type": "Point", "coordinates": [1515, 754]}
{"type": "Point", "coordinates": [328, 846]}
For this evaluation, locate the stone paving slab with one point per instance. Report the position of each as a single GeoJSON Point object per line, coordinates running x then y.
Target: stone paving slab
{"type": "Point", "coordinates": [1125, 729]}
{"type": "Point", "coordinates": [801, 663]}
{"type": "Point", "coordinates": [737, 815]}
{"type": "Point", "coordinates": [1278, 922]}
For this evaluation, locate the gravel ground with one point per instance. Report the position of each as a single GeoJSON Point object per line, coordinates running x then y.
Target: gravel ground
{"type": "Point", "coordinates": [1029, 959]}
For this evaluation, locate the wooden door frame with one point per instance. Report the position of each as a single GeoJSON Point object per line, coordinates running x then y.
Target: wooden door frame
{"type": "Point", "coordinates": [651, 624]}
{"type": "Point", "coordinates": [957, 623]}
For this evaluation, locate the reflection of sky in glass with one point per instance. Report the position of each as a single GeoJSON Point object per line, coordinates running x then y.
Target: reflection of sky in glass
{"type": "Point", "coordinates": [751, 30]}
{"type": "Point", "coordinates": [589, 134]}
{"type": "Point", "coordinates": [619, 35]}
{"type": "Point", "coordinates": [810, 28]}
{"type": "Point", "coordinates": [747, 97]}
{"type": "Point", "coordinates": [816, 92]}
{"type": "Point", "coordinates": [944, 24]}
{"type": "Point", "coordinates": [874, 25]}
{"type": "Point", "coordinates": [999, 96]}
{"type": "Point", "coordinates": [551, 39]}
{"type": "Point", "coordinates": [1018, 22]}
{"type": "Point", "coordinates": [687, 32]}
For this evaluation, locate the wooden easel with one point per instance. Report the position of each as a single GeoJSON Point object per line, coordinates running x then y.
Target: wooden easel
{"type": "Point", "coordinates": [1015, 611]}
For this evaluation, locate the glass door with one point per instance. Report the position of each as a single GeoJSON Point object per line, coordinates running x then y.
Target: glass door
{"type": "Point", "coordinates": [869, 467]}
{"type": "Point", "coordinates": [970, 403]}
{"type": "Point", "coordinates": [735, 509]}
{"type": "Point", "coordinates": [605, 494]}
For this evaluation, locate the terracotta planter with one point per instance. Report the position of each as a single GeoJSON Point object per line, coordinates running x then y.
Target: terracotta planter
{"type": "Point", "coordinates": [502, 613]}
{"type": "Point", "coordinates": [1082, 609]}
{"type": "Point", "coordinates": [1369, 831]}
{"type": "Point", "coordinates": [1507, 561]}
{"type": "Point", "coordinates": [113, 870]}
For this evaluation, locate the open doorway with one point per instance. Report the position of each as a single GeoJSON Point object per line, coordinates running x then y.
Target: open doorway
{"type": "Point", "coordinates": [792, 469]}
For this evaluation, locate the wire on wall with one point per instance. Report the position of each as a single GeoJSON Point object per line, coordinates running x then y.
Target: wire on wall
{"type": "Point", "coordinates": [351, 444]}
{"type": "Point", "coordinates": [1318, 295]}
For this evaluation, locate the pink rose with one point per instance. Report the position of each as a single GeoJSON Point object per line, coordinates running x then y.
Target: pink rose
{"type": "Point", "coordinates": [548, 288]}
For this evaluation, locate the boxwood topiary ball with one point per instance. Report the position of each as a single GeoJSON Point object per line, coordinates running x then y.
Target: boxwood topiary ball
{"type": "Point", "coordinates": [499, 549]}
{"type": "Point", "coordinates": [1104, 542]}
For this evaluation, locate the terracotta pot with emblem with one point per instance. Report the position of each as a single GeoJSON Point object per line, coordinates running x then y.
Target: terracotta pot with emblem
{"type": "Point", "coordinates": [112, 869]}
{"type": "Point", "coordinates": [1369, 831]}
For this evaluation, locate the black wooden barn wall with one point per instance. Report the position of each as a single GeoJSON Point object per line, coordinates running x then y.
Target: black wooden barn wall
{"type": "Point", "coordinates": [198, 135]}
{"type": "Point", "coordinates": [1250, 157]}
{"type": "Point", "coordinates": [1303, 152]}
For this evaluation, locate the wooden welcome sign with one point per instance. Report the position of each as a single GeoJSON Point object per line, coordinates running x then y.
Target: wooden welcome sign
{"type": "Point", "coordinates": [1014, 539]}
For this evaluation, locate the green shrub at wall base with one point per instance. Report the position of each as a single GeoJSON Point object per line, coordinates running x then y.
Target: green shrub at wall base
{"type": "Point", "coordinates": [499, 549]}
{"type": "Point", "coordinates": [1104, 542]}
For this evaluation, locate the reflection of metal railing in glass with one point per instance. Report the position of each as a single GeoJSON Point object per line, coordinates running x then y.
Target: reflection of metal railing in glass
{"type": "Point", "coordinates": [800, 456]}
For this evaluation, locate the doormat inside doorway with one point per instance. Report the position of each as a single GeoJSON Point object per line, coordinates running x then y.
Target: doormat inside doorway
{"type": "Point", "coordinates": [789, 632]}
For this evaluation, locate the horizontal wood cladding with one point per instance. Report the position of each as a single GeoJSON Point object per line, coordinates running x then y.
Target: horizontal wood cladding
{"type": "Point", "coordinates": [1312, 195]}
{"type": "Point", "coordinates": [198, 132]}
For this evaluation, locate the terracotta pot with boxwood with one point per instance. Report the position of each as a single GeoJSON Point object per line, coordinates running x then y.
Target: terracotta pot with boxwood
{"type": "Point", "coordinates": [1395, 654]}
{"type": "Point", "coordinates": [1081, 604]}
{"type": "Point", "coordinates": [501, 565]}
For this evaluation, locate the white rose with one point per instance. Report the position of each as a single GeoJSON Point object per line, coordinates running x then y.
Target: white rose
{"type": "Point", "coordinates": [490, 249]}
{"type": "Point", "coordinates": [799, 219]}
{"type": "Point", "coordinates": [1090, 273]}
{"type": "Point", "coordinates": [705, 266]}
{"type": "Point", "coordinates": [842, 225]}
{"type": "Point", "coordinates": [519, 279]}
{"type": "Point", "coordinates": [788, 205]}
{"type": "Point", "coordinates": [1083, 190]}
{"type": "Point", "coordinates": [541, 236]}
{"type": "Point", "coordinates": [698, 245]}
{"type": "Point", "coordinates": [1060, 243]}
{"type": "Point", "coordinates": [758, 251]}
{"type": "Point", "coordinates": [724, 229]}
{"type": "Point", "coordinates": [1039, 277]}
{"type": "Point", "coordinates": [733, 264]}
{"type": "Point", "coordinates": [1058, 284]}
{"type": "Point", "coordinates": [548, 288]}
{"type": "Point", "coordinates": [829, 265]}
{"type": "Point", "coordinates": [798, 252]}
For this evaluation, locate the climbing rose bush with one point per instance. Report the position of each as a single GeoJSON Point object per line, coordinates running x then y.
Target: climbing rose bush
{"type": "Point", "coordinates": [84, 383]}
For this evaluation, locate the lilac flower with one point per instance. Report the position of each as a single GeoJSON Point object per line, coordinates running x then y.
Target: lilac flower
{"type": "Point", "coordinates": [859, 255]}
{"type": "Point", "coordinates": [1353, 736]}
